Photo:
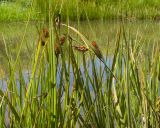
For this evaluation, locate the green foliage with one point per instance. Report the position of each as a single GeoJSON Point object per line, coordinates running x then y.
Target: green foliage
{"type": "Point", "coordinates": [12, 11]}
{"type": "Point", "coordinates": [81, 9]}
{"type": "Point", "coordinates": [124, 94]}
{"type": "Point", "coordinates": [94, 98]}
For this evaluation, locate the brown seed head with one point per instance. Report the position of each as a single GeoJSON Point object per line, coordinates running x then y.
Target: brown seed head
{"type": "Point", "coordinates": [57, 47]}
{"type": "Point", "coordinates": [44, 35]}
{"type": "Point", "coordinates": [97, 50]}
{"type": "Point", "coordinates": [45, 32]}
{"type": "Point", "coordinates": [94, 44]}
{"type": "Point", "coordinates": [62, 39]}
{"type": "Point", "coordinates": [81, 48]}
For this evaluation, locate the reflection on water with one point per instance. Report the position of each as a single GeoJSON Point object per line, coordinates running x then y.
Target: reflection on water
{"type": "Point", "coordinates": [26, 74]}
{"type": "Point", "coordinates": [103, 32]}
{"type": "Point", "coordinates": [12, 34]}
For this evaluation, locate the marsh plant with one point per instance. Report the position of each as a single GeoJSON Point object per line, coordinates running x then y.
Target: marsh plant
{"type": "Point", "coordinates": [71, 84]}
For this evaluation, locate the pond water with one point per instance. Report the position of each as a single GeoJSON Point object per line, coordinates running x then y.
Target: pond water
{"type": "Point", "coordinates": [103, 33]}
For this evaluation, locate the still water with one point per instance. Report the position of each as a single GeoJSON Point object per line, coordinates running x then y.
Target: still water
{"type": "Point", "coordinates": [104, 33]}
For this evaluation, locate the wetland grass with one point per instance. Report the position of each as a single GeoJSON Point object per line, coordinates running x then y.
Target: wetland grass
{"type": "Point", "coordinates": [84, 92]}
{"type": "Point", "coordinates": [94, 9]}
{"type": "Point", "coordinates": [94, 98]}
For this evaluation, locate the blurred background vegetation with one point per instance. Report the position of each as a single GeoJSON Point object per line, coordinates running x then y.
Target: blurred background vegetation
{"type": "Point", "coordinates": [17, 10]}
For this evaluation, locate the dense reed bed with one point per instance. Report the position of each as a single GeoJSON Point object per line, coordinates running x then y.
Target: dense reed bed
{"type": "Point", "coordinates": [71, 83]}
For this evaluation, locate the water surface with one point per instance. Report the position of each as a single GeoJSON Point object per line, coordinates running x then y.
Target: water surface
{"type": "Point", "coordinates": [104, 33]}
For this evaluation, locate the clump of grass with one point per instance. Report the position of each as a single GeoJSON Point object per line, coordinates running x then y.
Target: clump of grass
{"type": "Point", "coordinates": [103, 9]}
{"type": "Point", "coordinates": [14, 11]}
{"type": "Point", "coordinates": [84, 92]}
{"type": "Point", "coordinates": [92, 101]}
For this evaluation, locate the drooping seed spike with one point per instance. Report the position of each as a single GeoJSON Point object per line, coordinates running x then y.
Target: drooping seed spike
{"type": "Point", "coordinates": [97, 50]}
{"type": "Point", "coordinates": [94, 44]}
{"type": "Point", "coordinates": [81, 48]}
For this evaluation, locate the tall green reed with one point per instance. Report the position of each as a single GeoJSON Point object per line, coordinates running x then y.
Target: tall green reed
{"type": "Point", "coordinates": [126, 100]}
